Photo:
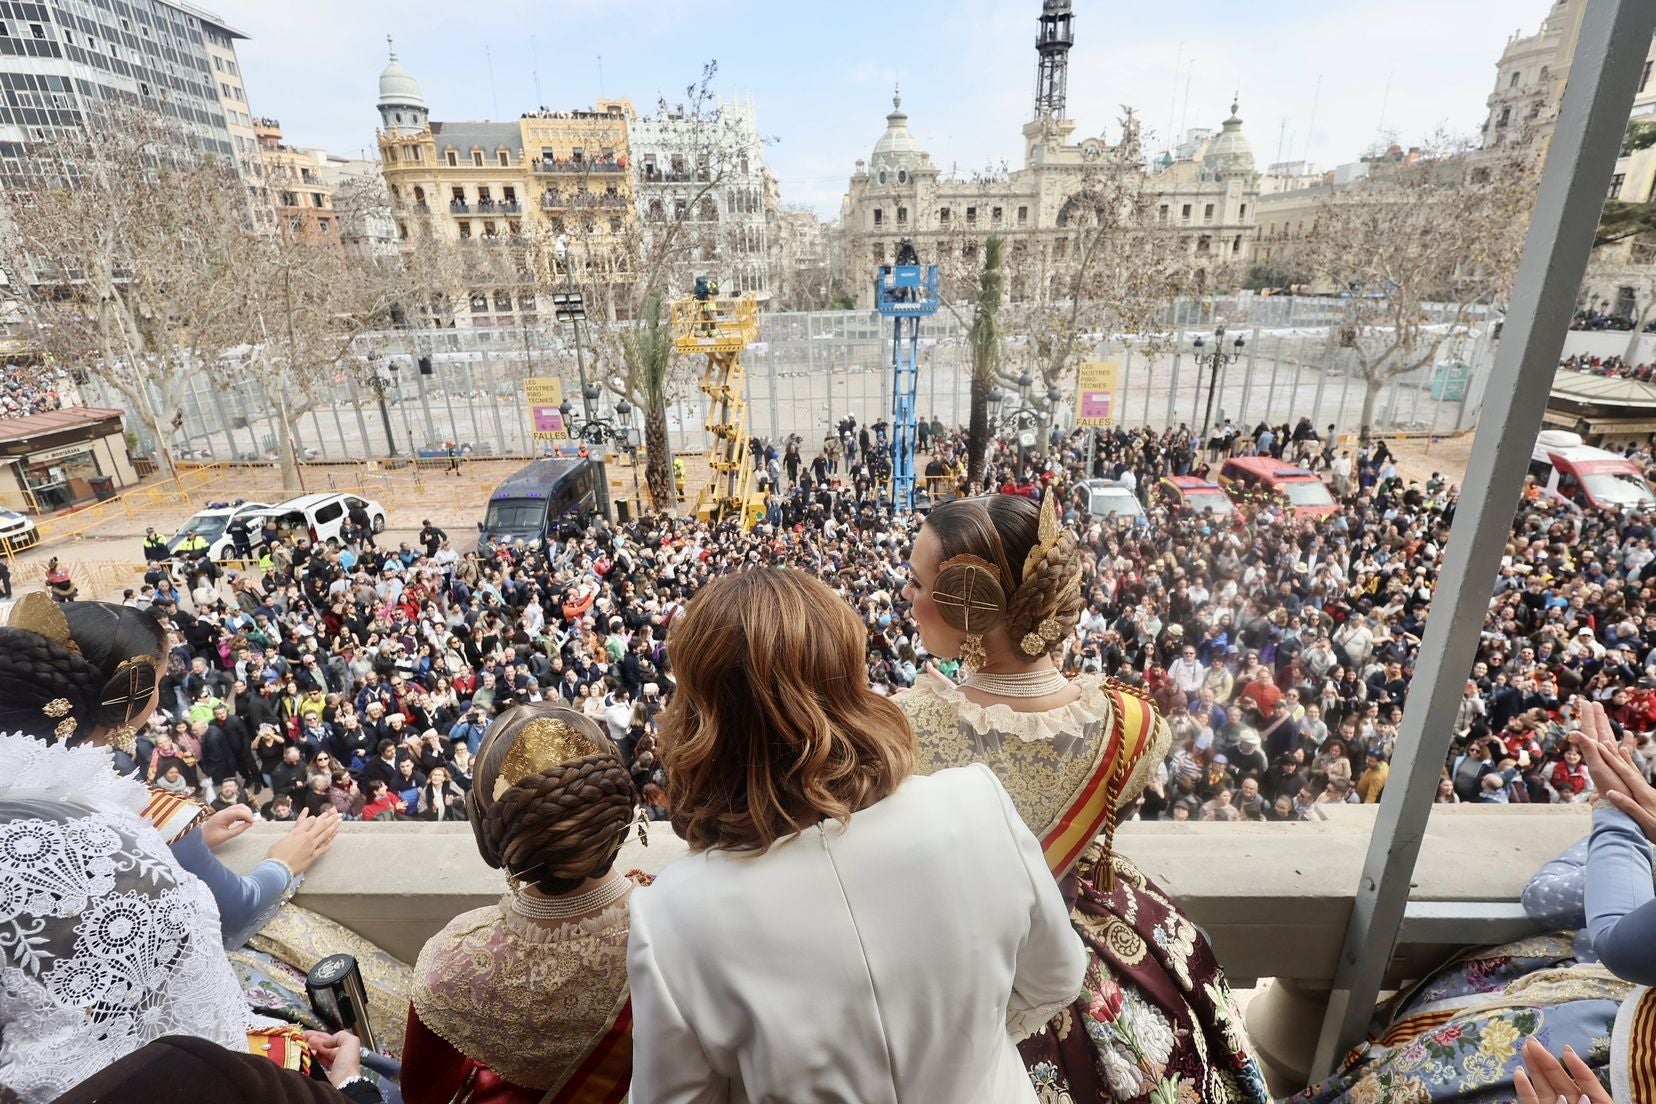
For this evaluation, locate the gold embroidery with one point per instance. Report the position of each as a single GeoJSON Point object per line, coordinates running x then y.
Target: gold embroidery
{"type": "Point", "coordinates": [1125, 943]}
{"type": "Point", "coordinates": [524, 1000]}
{"type": "Point", "coordinates": [542, 743]}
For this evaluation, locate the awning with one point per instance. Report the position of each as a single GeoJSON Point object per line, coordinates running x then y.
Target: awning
{"type": "Point", "coordinates": [1591, 390]}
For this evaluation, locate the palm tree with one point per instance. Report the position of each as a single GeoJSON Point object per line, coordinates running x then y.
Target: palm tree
{"type": "Point", "coordinates": [647, 352]}
{"type": "Point", "coordinates": [985, 340]}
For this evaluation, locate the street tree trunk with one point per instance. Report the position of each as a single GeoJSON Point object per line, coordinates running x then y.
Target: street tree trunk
{"type": "Point", "coordinates": [658, 468]}
{"type": "Point", "coordinates": [1371, 396]}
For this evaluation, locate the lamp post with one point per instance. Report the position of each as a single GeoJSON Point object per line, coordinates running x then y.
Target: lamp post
{"type": "Point", "coordinates": [1014, 419]}
{"type": "Point", "coordinates": [569, 306]}
{"type": "Point", "coordinates": [601, 431]}
{"type": "Point", "coordinates": [379, 383]}
{"type": "Point", "coordinates": [1215, 360]}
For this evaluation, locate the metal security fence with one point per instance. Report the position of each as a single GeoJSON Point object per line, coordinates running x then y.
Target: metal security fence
{"type": "Point", "coordinates": [809, 370]}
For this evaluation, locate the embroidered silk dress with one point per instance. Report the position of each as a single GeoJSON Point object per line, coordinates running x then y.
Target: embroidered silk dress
{"type": "Point", "coordinates": [1155, 1020]}
{"type": "Point", "coordinates": [505, 1010]}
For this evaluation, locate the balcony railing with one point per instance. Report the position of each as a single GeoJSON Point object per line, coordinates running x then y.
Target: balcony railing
{"type": "Point", "coordinates": [579, 167]}
{"type": "Point", "coordinates": [582, 199]}
{"type": "Point", "coordinates": [459, 207]}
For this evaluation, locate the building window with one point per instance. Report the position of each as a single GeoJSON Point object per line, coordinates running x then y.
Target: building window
{"type": "Point", "coordinates": [465, 231]}
{"type": "Point", "coordinates": [40, 32]}
{"type": "Point", "coordinates": [1236, 246]}
{"type": "Point", "coordinates": [1513, 83]}
{"type": "Point", "coordinates": [1242, 213]}
{"type": "Point", "coordinates": [1644, 78]}
{"type": "Point", "coordinates": [505, 159]}
{"type": "Point", "coordinates": [943, 215]}
{"type": "Point", "coordinates": [615, 224]}
{"type": "Point", "coordinates": [1161, 213]}
{"type": "Point", "coordinates": [995, 215]}
{"type": "Point", "coordinates": [902, 216]}
{"type": "Point", "coordinates": [882, 176]}
{"type": "Point", "coordinates": [477, 158]}
{"type": "Point", "coordinates": [971, 214]}
{"type": "Point", "coordinates": [1204, 244]}
{"type": "Point", "coordinates": [902, 176]}
{"type": "Point", "coordinates": [1506, 117]}
{"type": "Point", "coordinates": [415, 155]}
{"type": "Point", "coordinates": [1207, 213]}
{"type": "Point", "coordinates": [453, 158]}
{"type": "Point", "coordinates": [402, 230]}
{"type": "Point", "coordinates": [1184, 213]}
{"type": "Point", "coordinates": [1023, 216]}
{"type": "Point", "coordinates": [879, 216]}
{"type": "Point", "coordinates": [323, 225]}
{"type": "Point", "coordinates": [1616, 183]}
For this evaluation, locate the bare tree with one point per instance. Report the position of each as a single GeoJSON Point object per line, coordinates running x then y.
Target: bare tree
{"type": "Point", "coordinates": [130, 241]}
{"type": "Point", "coordinates": [1420, 249]}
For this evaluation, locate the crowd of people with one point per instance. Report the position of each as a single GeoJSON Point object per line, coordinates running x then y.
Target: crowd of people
{"type": "Point", "coordinates": [1280, 648]}
{"type": "Point", "coordinates": [1600, 320]}
{"type": "Point", "coordinates": [1258, 664]}
{"type": "Point", "coordinates": [25, 391]}
{"type": "Point", "coordinates": [1611, 367]}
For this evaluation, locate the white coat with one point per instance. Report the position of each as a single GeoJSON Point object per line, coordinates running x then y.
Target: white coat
{"type": "Point", "coordinates": [876, 962]}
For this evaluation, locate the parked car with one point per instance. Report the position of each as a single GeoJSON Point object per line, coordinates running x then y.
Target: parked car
{"type": "Point", "coordinates": [17, 531]}
{"type": "Point", "coordinates": [213, 523]}
{"type": "Point", "coordinates": [1252, 478]}
{"type": "Point", "coordinates": [1195, 496]}
{"type": "Point", "coordinates": [1107, 498]}
{"type": "Point", "coordinates": [322, 517]}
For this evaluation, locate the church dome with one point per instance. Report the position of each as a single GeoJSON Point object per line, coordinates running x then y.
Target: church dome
{"type": "Point", "coordinates": [897, 147]}
{"type": "Point", "coordinates": [398, 86]}
{"type": "Point", "coordinates": [1230, 151]}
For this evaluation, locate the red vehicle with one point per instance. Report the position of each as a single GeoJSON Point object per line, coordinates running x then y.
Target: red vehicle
{"type": "Point", "coordinates": [1585, 477]}
{"type": "Point", "coordinates": [1197, 496]}
{"type": "Point", "coordinates": [1253, 478]}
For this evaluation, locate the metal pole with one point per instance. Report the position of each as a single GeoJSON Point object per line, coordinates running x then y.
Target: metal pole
{"type": "Point", "coordinates": [1247, 382]}
{"type": "Point", "coordinates": [1615, 36]}
{"type": "Point", "coordinates": [1173, 391]}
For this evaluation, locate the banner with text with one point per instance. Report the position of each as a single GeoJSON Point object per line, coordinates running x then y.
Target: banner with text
{"type": "Point", "coordinates": [543, 395]}
{"type": "Point", "coordinates": [1095, 394]}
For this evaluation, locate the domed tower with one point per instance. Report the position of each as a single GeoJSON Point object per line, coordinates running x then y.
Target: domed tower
{"type": "Point", "coordinates": [1229, 154]}
{"type": "Point", "coordinates": [897, 155]}
{"type": "Point", "coordinates": [402, 109]}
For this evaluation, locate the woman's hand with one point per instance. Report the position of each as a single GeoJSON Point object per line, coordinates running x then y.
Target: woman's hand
{"type": "Point", "coordinates": [225, 825]}
{"type": "Point", "coordinates": [1610, 765]}
{"type": "Point", "coordinates": [1542, 1079]}
{"type": "Point", "coordinates": [340, 1052]}
{"type": "Point", "coordinates": [308, 840]}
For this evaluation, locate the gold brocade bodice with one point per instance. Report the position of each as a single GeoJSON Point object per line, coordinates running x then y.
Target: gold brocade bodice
{"type": "Point", "coordinates": [1049, 761]}
{"type": "Point", "coordinates": [524, 1000]}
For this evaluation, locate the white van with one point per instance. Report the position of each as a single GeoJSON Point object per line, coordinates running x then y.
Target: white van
{"type": "Point", "coordinates": [321, 517]}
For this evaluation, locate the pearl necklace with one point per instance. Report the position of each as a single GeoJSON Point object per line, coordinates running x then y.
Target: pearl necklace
{"type": "Point", "coordinates": [570, 907]}
{"type": "Point", "coordinates": [1024, 684]}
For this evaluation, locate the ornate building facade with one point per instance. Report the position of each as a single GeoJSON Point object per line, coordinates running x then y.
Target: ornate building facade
{"type": "Point", "coordinates": [1209, 195]}
{"type": "Point", "coordinates": [531, 202]}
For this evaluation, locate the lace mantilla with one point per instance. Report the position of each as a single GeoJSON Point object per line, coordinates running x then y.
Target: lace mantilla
{"type": "Point", "coordinates": [526, 1001]}
{"type": "Point", "coordinates": [1043, 759]}
{"type": "Point", "coordinates": [106, 944]}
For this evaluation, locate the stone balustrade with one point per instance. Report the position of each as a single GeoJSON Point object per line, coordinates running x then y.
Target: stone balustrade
{"type": "Point", "coordinates": [1274, 898]}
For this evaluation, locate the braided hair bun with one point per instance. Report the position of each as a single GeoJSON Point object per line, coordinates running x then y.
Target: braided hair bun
{"type": "Point", "coordinates": [551, 800]}
{"type": "Point", "coordinates": [38, 677]}
{"type": "Point", "coordinates": [1048, 602]}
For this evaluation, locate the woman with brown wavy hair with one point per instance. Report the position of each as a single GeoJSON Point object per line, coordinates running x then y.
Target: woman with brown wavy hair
{"type": "Point", "coordinates": [527, 1000]}
{"type": "Point", "coordinates": [996, 581]}
{"type": "Point", "coordinates": [841, 930]}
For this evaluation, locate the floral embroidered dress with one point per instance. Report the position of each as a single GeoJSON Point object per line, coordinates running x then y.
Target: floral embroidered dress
{"type": "Point", "coordinates": [505, 1010]}
{"type": "Point", "coordinates": [1458, 1035]}
{"type": "Point", "coordinates": [1155, 1021]}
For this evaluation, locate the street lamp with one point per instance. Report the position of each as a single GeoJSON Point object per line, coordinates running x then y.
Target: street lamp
{"type": "Point", "coordinates": [1215, 360]}
{"type": "Point", "coordinates": [379, 383]}
{"type": "Point", "coordinates": [569, 306]}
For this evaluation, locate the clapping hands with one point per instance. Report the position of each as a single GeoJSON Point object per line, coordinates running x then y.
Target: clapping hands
{"type": "Point", "coordinates": [1611, 767]}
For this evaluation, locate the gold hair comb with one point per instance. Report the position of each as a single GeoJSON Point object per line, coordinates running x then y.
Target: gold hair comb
{"type": "Point", "coordinates": [35, 612]}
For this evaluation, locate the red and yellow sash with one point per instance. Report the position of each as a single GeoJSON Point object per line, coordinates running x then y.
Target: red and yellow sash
{"type": "Point", "coordinates": [174, 814]}
{"type": "Point", "coordinates": [1094, 807]}
{"type": "Point", "coordinates": [603, 1075]}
